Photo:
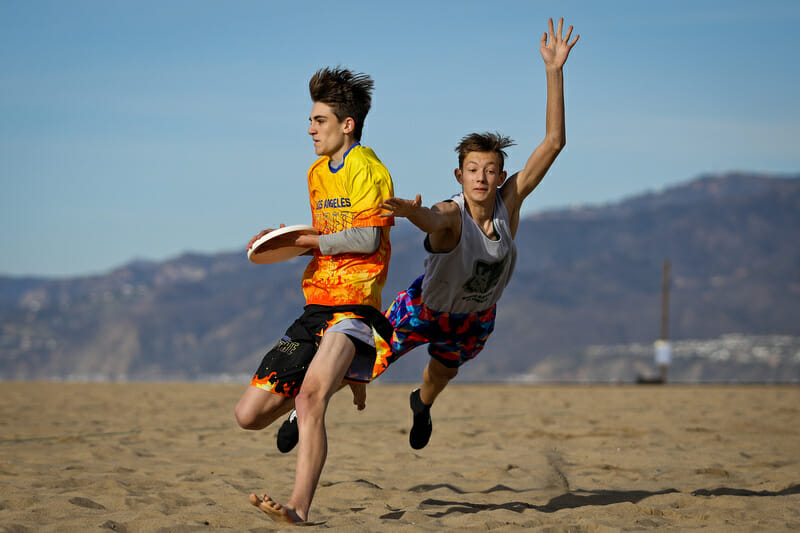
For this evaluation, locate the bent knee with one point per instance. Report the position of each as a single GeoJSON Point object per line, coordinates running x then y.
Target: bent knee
{"type": "Point", "coordinates": [247, 417]}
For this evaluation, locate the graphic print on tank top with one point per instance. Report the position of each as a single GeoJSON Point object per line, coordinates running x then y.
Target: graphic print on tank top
{"type": "Point", "coordinates": [484, 279]}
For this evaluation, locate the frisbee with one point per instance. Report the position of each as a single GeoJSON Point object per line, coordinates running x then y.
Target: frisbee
{"type": "Point", "coordinates": [262, 254]}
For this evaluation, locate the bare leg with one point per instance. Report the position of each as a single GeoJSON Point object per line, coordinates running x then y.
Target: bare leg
{"type": "Point", "coordinates": [324, 375]}
{"type": "Point", "coordinates": [288, 433]}
{"type": "Point", "coordinates": [258, 408]}
{"type": "Point", "coordinates": [322, 380]}
{"type": "Point", "coordinates": [434, 379]}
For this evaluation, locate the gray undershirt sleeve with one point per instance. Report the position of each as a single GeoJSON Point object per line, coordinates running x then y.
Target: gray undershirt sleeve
{"type": "Point", "coordinates": [354, 240]}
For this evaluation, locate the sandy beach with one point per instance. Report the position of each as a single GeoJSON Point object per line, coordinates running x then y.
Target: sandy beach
{"type": "Point", "coordinates": [169, 457]}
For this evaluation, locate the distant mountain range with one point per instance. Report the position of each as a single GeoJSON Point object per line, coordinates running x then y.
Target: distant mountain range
{"type": "Point", "coordinates": [587, 287]}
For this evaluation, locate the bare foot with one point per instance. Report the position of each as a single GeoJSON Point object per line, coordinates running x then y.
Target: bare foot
{"type": "Point", "coordinates": [274, 510]}
{"type": "Point", "coordinates": [359, 395]}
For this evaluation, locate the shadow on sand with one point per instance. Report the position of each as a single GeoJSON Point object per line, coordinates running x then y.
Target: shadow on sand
{"type": "Point", "coordinates": [569, 500]}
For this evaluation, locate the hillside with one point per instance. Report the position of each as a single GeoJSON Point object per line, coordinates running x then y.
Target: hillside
{"type": "Point", "coordinates": [586, 277]}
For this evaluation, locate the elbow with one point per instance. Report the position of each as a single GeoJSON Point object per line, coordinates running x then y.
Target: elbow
{"type": "Point", "coordinates": [556, 143]}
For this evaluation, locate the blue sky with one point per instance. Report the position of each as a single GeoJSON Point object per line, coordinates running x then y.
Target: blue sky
{"type": "Point", "coordinates": [141, 130]}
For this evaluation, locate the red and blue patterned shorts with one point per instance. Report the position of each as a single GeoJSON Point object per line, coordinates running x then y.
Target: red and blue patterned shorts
{"type": "Point", "coordinates": [452, 338]}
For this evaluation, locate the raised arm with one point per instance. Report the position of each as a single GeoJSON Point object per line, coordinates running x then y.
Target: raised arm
{"type": "Point", "coordinates": [555, 49]}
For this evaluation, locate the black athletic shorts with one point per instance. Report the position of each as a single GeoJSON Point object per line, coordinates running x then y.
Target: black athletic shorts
{"type": "Point", "coordinates": [284, 366]}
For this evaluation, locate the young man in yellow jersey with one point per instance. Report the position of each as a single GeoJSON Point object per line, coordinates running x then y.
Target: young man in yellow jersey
{"type": "Point", "coordinates": [341, 336]}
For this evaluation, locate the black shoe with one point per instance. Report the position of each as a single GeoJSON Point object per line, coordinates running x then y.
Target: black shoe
{"type": "Point", "coordinates": [422, 428]}
{"type": "Point", "coordinates": [288, 434]}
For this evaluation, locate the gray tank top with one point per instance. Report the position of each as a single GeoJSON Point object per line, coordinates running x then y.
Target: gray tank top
{"type": "Point", "coordinates": [471, 277]}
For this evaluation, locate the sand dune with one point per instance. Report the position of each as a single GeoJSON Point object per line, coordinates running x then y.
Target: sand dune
{"type": "Point", "coordinates": [169, 457]}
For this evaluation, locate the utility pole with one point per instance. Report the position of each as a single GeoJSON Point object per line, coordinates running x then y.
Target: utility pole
{"type": "Point", "coordinates": [663, 350]}
{"type": "Point", "coordinates": [665, 274]}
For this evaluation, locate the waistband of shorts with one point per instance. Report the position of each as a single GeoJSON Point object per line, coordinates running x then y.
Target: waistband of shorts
{"type": "Point", "coordinates": [365, 313]}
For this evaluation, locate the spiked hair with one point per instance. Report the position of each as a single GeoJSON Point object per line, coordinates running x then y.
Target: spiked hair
{"type": "Point", "coordinates": [348, 93]}
{"type": "Point", "coordinates": [484, 142]}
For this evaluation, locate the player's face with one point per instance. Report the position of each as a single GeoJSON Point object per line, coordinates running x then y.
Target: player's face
{"type": "Point", "coordinates": [329, 135]}
{"type": "Point", "coordinates": [480, 176]}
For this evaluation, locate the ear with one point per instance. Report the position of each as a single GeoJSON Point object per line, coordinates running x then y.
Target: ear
{"type": "Point", "coordinates": [349, 125]}
{"type": "Point", "coordinates": [503, 176]}
{"type": "Point", "coordinates": [458, 176]}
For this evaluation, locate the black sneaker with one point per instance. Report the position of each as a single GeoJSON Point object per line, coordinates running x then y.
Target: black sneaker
{"type": "Point", "coordinates": [288, 434]}
{"type": "Point", "coordinates": [422, 428]}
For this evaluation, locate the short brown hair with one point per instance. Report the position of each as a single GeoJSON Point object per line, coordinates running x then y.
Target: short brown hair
{"type": "Point", "coordinates": [348, 93]}
{"type": "Point", "coordinates": [484, 142]}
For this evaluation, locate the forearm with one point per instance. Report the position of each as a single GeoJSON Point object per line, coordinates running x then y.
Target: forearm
{"type": "Point", "coordinates": [555, 136]}
{"type": "Point", "coordinates": [443, 216]}
{"type": "Point", "coordinates": [555, 123]}
{"type": "Point", "coordinates": [352, 240]}
{"type": "Point", "coordinates": [427, 219]}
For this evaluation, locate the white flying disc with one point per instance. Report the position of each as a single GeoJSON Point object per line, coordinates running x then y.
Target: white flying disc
{"type": "Point", "coordinates": [261, 253]}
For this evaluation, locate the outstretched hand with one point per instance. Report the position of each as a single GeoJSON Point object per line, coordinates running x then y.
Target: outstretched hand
{"type": "Point", "coordinates": [400, 207]}
{"type": "Point", "coordinates": [555, 50]}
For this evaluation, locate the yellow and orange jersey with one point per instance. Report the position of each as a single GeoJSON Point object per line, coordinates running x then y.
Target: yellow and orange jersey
{"type": "Point", "coordinates": [349, 198]}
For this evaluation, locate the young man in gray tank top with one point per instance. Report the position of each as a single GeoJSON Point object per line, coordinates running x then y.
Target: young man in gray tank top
{"type": "Point", "coordinates": [471, 253]}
